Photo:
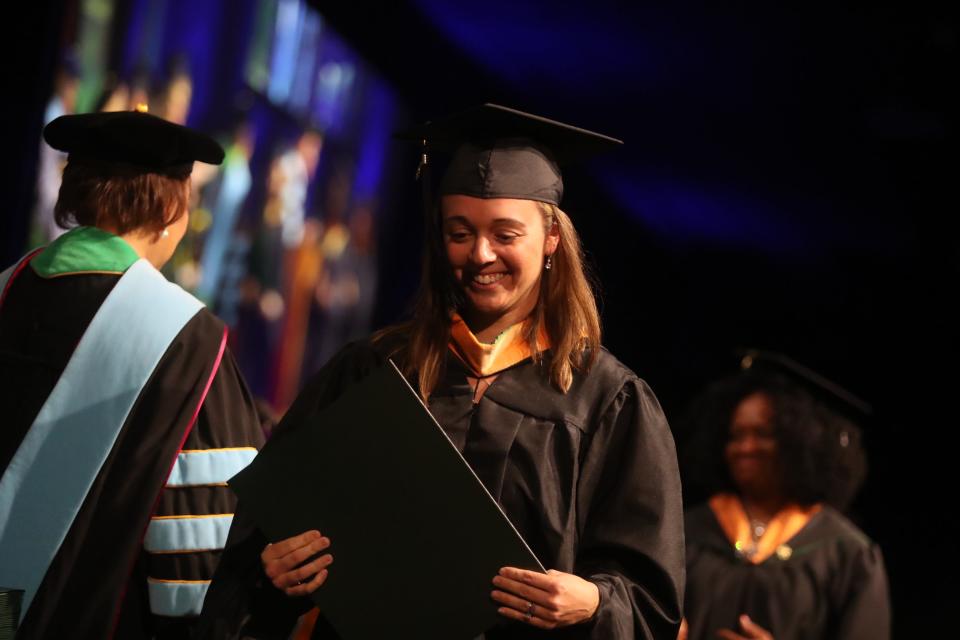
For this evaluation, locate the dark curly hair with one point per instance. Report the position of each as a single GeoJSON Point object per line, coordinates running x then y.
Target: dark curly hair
{"type": "Point", "coordinates": [819, 449]}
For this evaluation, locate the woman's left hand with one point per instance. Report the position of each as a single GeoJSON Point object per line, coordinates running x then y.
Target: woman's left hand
{"type": "Point", "coordinates": [546, 601]}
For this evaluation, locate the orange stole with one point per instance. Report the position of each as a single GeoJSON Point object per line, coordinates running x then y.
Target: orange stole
{"type": "Point", "coordinates": [302, 267]}
{"type": "Point", "coordinates": [733, 519]}
{"type": "Point", "coordinates": [305, 624]}
{"type": "Point", "coordinates": [484, 360]}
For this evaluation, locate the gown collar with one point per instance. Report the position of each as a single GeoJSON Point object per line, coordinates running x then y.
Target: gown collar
{"type": "Point", "coordinates": [482, 359]}
{"type": "Point", "coordinates": [729, 512]}
{"type": "Point", "coordinates": [84, 250]}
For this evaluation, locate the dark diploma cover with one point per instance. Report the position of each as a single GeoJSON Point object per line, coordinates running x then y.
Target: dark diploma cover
{"type": "Point", "coordinates": [415, 536]}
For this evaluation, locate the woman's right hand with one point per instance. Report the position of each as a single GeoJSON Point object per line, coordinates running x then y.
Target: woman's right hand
{"type": "Point", "coordinates": [283, 562]}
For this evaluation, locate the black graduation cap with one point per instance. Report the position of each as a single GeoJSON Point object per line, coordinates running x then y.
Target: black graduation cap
{"type": "Point", "coordinates": [824, 390]}
{"type": "Point", "coordinates": [133, 138]}
{"type": "Point", "coordinates": [500, 152]}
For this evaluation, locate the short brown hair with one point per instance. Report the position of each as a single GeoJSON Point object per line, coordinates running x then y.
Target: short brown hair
{"type": "Point", "coordinates": [121, 197]}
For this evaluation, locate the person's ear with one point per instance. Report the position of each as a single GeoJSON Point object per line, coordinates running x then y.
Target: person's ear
{"type": "Point", "coordinates": [552, 240]}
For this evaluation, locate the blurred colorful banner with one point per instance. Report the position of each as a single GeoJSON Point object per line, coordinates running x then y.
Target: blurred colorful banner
{"type": "Point", "coordinates": [282, 241]}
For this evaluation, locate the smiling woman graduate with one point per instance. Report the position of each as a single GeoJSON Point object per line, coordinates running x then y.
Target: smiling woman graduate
{"type": "Point", "coordinates": [123, 411]}
{"type": "Point", "coordinates": [504, 346]}
{"type": "Point", "coordinates": [775, 450]}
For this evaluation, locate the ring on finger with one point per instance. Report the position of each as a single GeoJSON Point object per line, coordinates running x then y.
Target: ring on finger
{"type": "Point", "coordinates": [529, 612]}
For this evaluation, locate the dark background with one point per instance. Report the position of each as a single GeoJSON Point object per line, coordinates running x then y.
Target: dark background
{"type": "Point", "coordinates": [788, 182]}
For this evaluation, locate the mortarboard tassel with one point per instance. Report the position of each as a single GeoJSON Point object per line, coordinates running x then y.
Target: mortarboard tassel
{"type": "Point", "coordinates": [423, 175]}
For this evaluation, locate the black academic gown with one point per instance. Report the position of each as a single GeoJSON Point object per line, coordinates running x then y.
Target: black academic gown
{"type": "Point", "coordinates": [832, 585]}
{"type": "Point", "coordinates": [96, 586]}
{"type": "Point", "coordinates": [589, 478]}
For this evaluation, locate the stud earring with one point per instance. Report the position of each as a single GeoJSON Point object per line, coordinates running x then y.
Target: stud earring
{"type": "Point", "coordinates": [165, 234]}
{"type": "Point", "coordinates": [549, 263]}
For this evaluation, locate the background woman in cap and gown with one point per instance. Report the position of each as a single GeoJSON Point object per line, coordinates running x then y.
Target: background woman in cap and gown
{"type": "Point", "coordinates": [141, 540]}
{"type": "Point", "coordinates": [504, 345]}
{"type": "Point", "coordinates": [772, 451]}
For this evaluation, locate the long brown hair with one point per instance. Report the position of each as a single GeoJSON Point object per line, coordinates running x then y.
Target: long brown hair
{"type": "Point", "coordinates": [566, 309]}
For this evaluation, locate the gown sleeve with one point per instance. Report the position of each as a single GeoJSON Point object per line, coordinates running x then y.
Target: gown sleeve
{"type": "Point", "coordinates": [631, 520]}
{"type": "Point", "coordinates": [227, 420]}
{"type": "Point", "coordinates": [228, 417]}
{"type": "Point", "coordinates": [865, 602]}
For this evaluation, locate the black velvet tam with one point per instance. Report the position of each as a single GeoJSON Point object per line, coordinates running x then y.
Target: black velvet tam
{"type": "Point", "coordinates": [132, 138]}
